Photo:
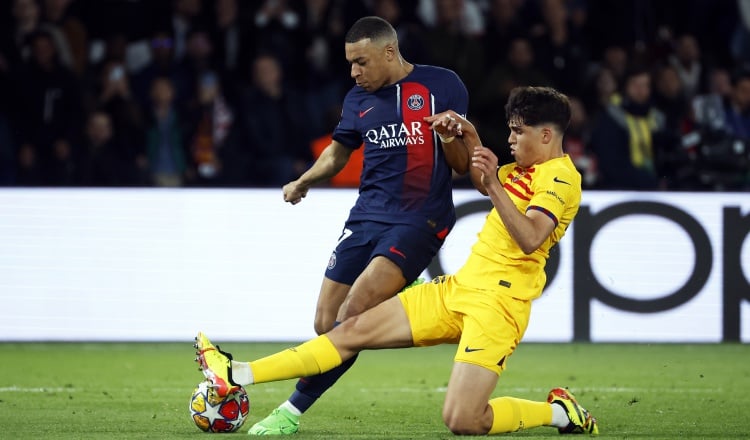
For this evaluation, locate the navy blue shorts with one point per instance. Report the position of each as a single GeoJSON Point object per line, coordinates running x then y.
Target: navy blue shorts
{"type": "Point", "coordinates": [411, 248]}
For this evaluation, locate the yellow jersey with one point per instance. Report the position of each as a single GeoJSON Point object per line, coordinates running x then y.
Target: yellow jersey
{"type": "Point", "coordinates": [496, 262]}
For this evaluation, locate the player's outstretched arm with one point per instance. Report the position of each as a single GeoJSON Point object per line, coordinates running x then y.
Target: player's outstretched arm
{"type": "Point", "coordinates": [449, 127]}
{"type": "Point", "coordinates": [460, 138]}
{"type": "Point", "coordinates": [471, 140]}
{"type": "Point", "coordinates": [332, 160]}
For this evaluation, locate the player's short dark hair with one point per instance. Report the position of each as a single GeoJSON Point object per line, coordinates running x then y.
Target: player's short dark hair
{"type": "Point", "coordinates": [538, 105]}
{"type": "Point", "coordinates": [372, 27]}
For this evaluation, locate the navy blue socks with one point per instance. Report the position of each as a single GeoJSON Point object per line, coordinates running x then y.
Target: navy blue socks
{"type": "Point", "coordinates": [309, 389]}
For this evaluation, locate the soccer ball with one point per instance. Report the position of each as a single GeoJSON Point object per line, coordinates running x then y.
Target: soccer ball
{"type": "Point", "coordinates": [212, 413]}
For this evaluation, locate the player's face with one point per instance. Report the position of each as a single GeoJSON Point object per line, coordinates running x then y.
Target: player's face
{"type": "Point", "coordinates": [525, 143]}
{"type": "Point", "coordinates": [368, 61]}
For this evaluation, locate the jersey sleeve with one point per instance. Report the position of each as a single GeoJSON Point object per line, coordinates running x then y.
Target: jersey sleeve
{"type": "Point", "coordinates": [460, 99]}
{"type": "Point", "coordinates": [347, 132]}
{"type": "Point", "coordinates": [554, 190]}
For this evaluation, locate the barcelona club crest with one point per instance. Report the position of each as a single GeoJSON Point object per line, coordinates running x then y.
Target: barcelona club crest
{"type": "Point", "coordinates": [415, 102]}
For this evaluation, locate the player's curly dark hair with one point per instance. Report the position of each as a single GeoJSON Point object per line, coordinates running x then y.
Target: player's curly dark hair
{"type": "Point", "coordinates": [374, 28]}
{"type": "Point", "coordinates": [538, 105]}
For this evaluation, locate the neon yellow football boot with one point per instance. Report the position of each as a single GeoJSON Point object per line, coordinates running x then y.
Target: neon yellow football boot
{"type": "Point", "coordinates": [216, 365]}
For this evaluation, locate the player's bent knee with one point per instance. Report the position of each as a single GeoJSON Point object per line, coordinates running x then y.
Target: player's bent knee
{"type": "Point", "coordinates": [351, 334]}
{"type": "Point", "coordinates": [463, 424]}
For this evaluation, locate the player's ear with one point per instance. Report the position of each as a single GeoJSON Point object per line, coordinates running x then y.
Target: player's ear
{"type": "Point", "coordinates": [390, 52]}
{"type": "Point", "coordinates": [546, 134]}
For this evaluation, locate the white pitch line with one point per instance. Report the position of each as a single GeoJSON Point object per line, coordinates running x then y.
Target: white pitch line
{"type": "Point", "coordinates": [628, 390]}
{"type": "Point", "coordinates": [15, 389]}
{"type": "Point", "coordinates": [270, 389]}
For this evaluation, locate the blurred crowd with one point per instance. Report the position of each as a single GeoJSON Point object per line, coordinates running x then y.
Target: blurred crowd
{"type": "Point", "coordinates": [236, 93]}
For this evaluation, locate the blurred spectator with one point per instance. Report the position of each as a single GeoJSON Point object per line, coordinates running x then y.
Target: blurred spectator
{"type": "Point", "coordinates": [454, 44]}
{"type": "Point", "coordinates": [576, 143]}
{"type": "Point", "coordinates": [616, 59]}
{"type": "Point", "coordinates": [686, 60]}
{"type": "Point", "coordinates": [198, 59]}
{"type": "Point", "coordinates": [276, 126]}
{"type": "Point", "coordinates": [48, 106]}
{"type": "Point", "coordinates": [737, 109]}
{"type": "Point", "coordinates": [278, 29]}
{"type": "Point", "coordinates": [162, 64]}
{"type": "Point", "coordinates": [213, 144]}
{"type": "Point", "coordinates": [58, 13]}
{"type": "Point", "coordinates": [165, 137]}
{"type": "Point", "coordinates": [518, 70]}
{"type": "Point", "coordinates": [723, 156]}
{"type": "Point", "coordinates": [113, 95]}
{"type": "Point", "coordinates": [669, 97]}
{"type": "Point", "coordinates": [100, 164]}
{"type": "Point", "coordinates": [25, 17]}
{"type": "Point", "coordinates": [326, 71]}
{"type": "Point", "coordinates": [629, 137]}
{"type": "Point", "coordinates": [185, 16]}
{"type": "Point", "coordinates": [504, 24]}
{"type": "Point", "coordinates": [560, 52]}
{"type": "Point", "coordinates": [720, 82]}
{"type": "Point", "coordinates": [230, 40]}
{"type": "Point", "coordinates": [599, 91]}
{"type": "Point", "coordinates": [114, 50]}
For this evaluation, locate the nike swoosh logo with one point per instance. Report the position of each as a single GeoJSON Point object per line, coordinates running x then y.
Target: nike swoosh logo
{"type": "Point", "coordinates": [397, 252]}
{"type": "Point", "coordinates": [469, 350]}
{"type": "Point", "coordinates": [362, 113]}
{"type": "Point", "coordinates": [560, 181]}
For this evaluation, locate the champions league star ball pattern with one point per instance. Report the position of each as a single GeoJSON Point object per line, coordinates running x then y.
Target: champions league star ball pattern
{"type": "Point", "coordinates": [212, 413]}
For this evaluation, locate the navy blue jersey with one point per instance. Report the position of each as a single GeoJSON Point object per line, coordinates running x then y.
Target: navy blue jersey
{"type": "Point", "coordinates": [405, 177]}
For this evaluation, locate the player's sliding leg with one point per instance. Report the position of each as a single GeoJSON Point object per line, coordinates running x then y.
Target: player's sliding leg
{"type": "Point", "coordinates": [285, 419]}
{"type": "Point", "coordinates": [312, 357]}
{"type": "Point", "coordinates": [384, 326]}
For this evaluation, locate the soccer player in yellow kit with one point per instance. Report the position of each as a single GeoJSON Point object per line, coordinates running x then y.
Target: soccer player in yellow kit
{"type": "Point", "coordinates": [485, 306]}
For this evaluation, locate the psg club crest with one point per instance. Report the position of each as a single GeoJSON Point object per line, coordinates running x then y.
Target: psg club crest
{"type": "Point", "coordinates": [415, 102]}
{"type": "Point", "coordinates": [332, 261]}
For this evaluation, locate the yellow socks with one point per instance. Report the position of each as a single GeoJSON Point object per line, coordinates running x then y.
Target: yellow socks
{"type": "Point", "coordinates": [313, 357]}
{"type": "Point", "coordinates": [511, 414]}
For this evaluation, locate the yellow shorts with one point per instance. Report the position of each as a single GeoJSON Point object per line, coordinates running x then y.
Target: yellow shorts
{"type": "Point", "coordinates": [487, 326]}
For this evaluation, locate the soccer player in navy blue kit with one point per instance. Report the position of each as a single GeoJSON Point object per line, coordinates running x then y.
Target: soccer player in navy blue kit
{"type": "Point", "coordinates": [405, 206]}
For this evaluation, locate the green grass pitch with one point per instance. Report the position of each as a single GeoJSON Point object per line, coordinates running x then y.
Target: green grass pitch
{"type": "Point", "coordinates": [141, 391]}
